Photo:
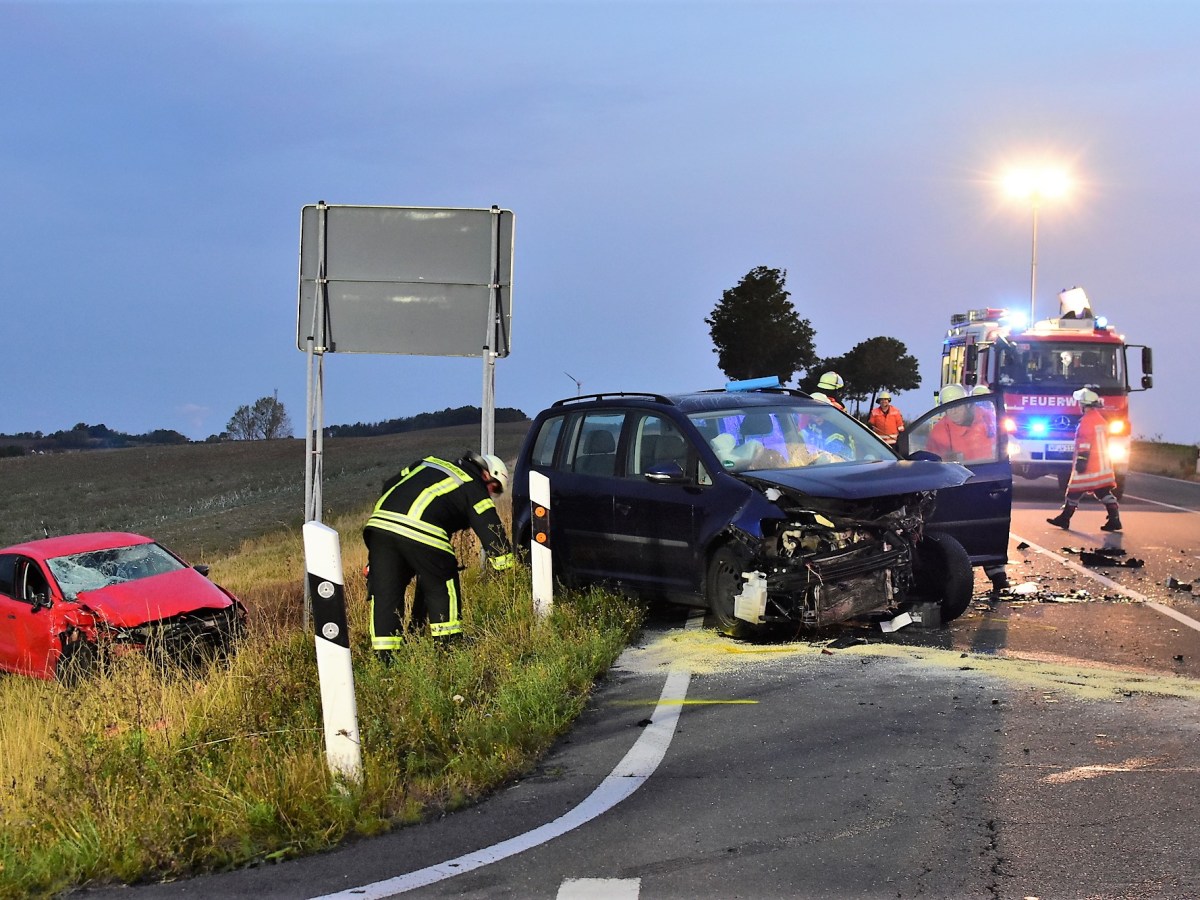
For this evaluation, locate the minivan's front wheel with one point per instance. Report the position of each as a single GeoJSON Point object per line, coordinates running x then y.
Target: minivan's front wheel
{"type": "Point", "coordinates": [944, 574]}
{"type": "Point", "coordinates": [723, 584]}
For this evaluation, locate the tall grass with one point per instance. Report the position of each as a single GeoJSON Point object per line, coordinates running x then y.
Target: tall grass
{"type": "Point", "coordinates": [139, 775]}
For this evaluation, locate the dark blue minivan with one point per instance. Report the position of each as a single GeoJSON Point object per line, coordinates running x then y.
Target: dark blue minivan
{"type": "Point", "coordinates": [765, 505]}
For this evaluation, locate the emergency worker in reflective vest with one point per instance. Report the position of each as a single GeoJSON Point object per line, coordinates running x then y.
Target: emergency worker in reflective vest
{"type": "Point", "coordinates": [409, 533]}
{"type": "Point", "coordinates": [1093, 471]}
{"type": "Point", "coordinates": [885, 420]}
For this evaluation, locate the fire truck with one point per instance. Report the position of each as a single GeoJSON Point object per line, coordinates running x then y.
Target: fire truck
{"type": "Point", "coordinates": [1037, 369]}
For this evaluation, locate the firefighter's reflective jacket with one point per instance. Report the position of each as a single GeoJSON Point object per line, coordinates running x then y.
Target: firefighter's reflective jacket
{"type": "Point", "coordinates": [432, 499]}
{"type": "Point", "coordinates": [1093, 470]}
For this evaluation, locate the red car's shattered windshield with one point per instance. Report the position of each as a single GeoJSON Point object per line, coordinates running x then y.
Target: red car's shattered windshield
{"type": "Point", "coordinates": [100, 568]}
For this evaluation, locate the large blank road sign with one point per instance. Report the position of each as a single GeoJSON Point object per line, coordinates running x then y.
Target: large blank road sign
{"type": "Point", "coordinates": [407, 279]}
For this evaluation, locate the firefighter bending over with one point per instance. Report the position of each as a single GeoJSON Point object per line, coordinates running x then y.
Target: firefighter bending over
{"type": "Point", "coordinates": [409, 533]}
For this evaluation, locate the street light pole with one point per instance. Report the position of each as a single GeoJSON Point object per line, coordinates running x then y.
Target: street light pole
{"type": "Point", "coordinates": [1034, 186]}
{"type": "Point", "coordinates": [1033, 265]}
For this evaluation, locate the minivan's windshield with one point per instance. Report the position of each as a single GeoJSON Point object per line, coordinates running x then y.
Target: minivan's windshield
{"type": "Point", "coordinates": [786, 437]}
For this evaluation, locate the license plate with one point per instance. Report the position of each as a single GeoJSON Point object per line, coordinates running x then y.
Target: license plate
{"type": "Point", "coordinates": [1059, 448]}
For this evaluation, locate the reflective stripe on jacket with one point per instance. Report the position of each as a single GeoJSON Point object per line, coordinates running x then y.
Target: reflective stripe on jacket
{"type": "Point", "coordinates": [1091, 443]}
{"type": "Point", "coordinates": [432, 499]}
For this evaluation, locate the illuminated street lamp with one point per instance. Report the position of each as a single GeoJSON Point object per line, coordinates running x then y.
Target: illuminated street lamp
{"type": "Point", "coordinates": [1035, 185]}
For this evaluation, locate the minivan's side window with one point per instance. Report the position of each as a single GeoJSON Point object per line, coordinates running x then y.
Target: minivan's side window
{"type": "Point", "coordinates": [592, 443]}
{"type": "Point", "coordinates": [655, 441]}
{"type": "Point", "coordinates": [546, 441]}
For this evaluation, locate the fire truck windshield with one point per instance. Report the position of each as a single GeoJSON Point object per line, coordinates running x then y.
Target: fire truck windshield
{"type": "Point", "coordinates": [1057, 365]}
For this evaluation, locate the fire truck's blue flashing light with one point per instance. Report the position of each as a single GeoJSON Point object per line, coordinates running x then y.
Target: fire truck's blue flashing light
{"type": "Point", "coordinates": [1039, 428]}
{"type": "Point", "coordinates": [1016, 320]}
{"type": "Point", "coordinates": [1101, 323]}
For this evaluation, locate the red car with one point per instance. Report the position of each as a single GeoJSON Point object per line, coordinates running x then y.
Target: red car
{"type": "Point", "coordinates": [67, 603]}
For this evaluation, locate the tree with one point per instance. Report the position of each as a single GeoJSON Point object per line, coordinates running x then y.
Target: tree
{"type": "Point", "coordinates": [756, 330]}
{"type": "Point", "coordinates": [264, 421]}
{"type": "Point", "coordinates": [873, 365]}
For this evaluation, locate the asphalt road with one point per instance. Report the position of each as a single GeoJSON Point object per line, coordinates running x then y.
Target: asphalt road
{"type": "Point", "coordinates": [1045, 745]}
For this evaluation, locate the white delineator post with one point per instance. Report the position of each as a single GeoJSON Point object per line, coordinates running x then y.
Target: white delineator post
{"type": "Point", "coordinates": [539, 544]}
{"type": "Point", "coordinates": [323, 559]}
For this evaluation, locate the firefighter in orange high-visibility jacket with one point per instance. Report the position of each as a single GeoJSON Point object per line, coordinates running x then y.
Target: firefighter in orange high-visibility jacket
{"type": "Point", "coordinates": [409, 533]}
{"type": "Point", "coordinates": [1093, 472]}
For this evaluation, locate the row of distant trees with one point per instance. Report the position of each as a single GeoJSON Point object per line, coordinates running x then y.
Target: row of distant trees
{"type": "Point", "coordinates": [263, 420]}
{"type": "Point", "coordinates": [757, 332]}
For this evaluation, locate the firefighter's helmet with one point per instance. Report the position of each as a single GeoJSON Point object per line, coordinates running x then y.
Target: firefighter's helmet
{"type": "Point", "coordinates": [885, 395]}
{"type": "Point", "coordinates": [951, 392]}
{"type": "Point", "coordinates": [979, 390]}
{"type": "Point", "coordinates": [1087, 397]}
{"type": "Point", "coordinates": [830, 381]}
{"type": "Point", "coordinates": [491, 465]}
{"type": "Point", "coordinates": [497, 469]}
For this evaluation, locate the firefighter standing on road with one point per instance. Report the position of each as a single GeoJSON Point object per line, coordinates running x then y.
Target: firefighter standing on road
{"type": "Point", "coordinates": [1093, 471]}
{"type": "Point", "coordinates": [409, 533]}
{"type": "Point", "coordinates": [885, 420]}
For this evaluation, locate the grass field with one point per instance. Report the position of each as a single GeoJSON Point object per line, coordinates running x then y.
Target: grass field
{"type": "Point", "coordinates": [141, 775]}
{"type": "Point", "coordinates": [203, 500]}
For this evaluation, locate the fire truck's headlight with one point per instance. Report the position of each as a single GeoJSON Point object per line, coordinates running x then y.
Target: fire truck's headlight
{"type": "Point", "coordinates": [1118, 452]}
{"type": "Point", "coordinates": [1118, 426]}
{"type": "Point", "coordinates": [1010, 425]}
{"type": "Point", "coordinates": [1014, 449]}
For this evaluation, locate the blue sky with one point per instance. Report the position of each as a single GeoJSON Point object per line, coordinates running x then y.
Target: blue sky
{"type": "Point", "coordinates": [156, 157]}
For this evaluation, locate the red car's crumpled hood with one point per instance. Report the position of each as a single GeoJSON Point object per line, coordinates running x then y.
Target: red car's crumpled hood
{"type": "Point", "coordinates": [157, 597]}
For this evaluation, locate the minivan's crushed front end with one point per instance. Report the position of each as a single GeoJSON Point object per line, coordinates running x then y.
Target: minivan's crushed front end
{"type": "Point", "coordinates": [821, 565]}
{"type": "Point", "coordinates": [828, 558]}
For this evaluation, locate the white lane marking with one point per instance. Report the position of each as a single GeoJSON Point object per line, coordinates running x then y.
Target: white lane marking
{"type": "Point", "coordinates": [629, 775]}
{"type": "Point", "coordinates": [600, 889]}
{"type": "Point", "coordinates": [1109, 583]}
{"type": "Point", "coordinates": [1160, 503]}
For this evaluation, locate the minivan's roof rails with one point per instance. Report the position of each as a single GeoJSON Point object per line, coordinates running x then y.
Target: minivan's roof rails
{"type": "Point", "coordinates": [632, 395]}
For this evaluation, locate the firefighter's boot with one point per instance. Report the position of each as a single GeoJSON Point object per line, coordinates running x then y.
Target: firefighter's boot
{"type": "Point", "coordinates": [1063, 519]}
{"type": "Point", "coordinates": [1113, 523]}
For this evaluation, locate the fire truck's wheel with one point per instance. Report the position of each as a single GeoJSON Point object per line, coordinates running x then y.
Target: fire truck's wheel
{"type": "Point", "coordinates": [944, 575]}
{"type": "Point", "coordinates": [724, 582]}
{"type": "Point", "coordinates": [1064, 478]}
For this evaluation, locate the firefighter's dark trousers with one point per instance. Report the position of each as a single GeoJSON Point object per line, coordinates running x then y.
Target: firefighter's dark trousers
{"type": "Point", "coordinates": [394, 561]}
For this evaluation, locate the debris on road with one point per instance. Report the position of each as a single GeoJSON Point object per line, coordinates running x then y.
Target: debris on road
{"type": "Point", "coordinates": [1025, 589]}
{"type": "Point", "coordinates": [890, 625]}
{"type": "Point", "coordinates": [1175, 584]}
{"type": "Point", "coordinates": [1104, 556]}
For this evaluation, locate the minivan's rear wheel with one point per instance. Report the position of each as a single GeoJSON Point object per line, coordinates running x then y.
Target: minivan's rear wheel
{"type": "Point", "coordinates": [944, 575]}
{"type": "Point", "coordinates": [723, 584]}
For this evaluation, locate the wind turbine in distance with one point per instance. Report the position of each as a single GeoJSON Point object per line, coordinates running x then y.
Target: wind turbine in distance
{"type": "Point", "coordinates": [578, 383]}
